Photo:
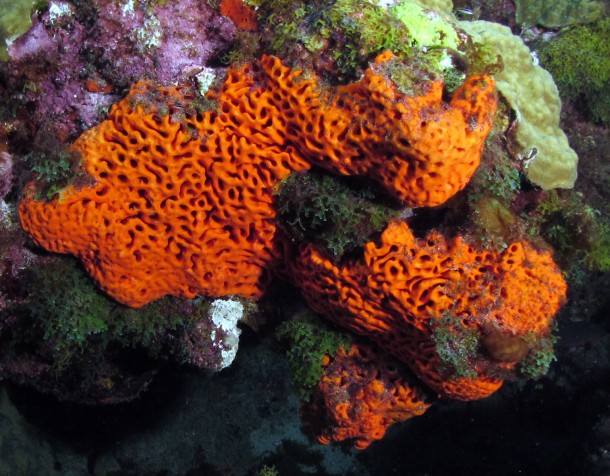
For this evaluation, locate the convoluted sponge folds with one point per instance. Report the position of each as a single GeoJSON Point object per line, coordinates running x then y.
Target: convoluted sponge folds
{"type": "Point", "coordinates": [420, 149]}
{"type": "Point", "coordinates": [183, 201]}
{"type": "Point", "coordinates": [530, 90]}
{"type": "Point", "coordinates": [405, 287]}
{"type": "Point", "coordinates": [181, 205]}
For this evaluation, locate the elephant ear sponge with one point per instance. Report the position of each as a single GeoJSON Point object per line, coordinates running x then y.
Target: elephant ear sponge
{"type": "Point", "coordinates": [416, 298]}
{"type": "Point", "coordinates": [182, 203]}
{"type": "Point", "coordinates": [183, 199]}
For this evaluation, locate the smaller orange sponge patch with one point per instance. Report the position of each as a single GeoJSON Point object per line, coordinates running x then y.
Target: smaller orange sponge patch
{"type": "Point", "coordinates": [242, 15]}
{"type": "Point", "coordinates": [360, 395]}
{"type": "Point", "coordinates": [403, 287]}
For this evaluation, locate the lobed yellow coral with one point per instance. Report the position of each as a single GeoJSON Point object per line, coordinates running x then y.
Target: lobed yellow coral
{"type": "Point", "coordinates": [532, 93]}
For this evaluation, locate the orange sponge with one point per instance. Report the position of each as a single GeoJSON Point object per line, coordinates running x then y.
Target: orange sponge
{"type": "Point", "coordinates": [360, 395]}
{"type": "Point", "coordinates": [419, 149]}
{"type": "Point", "coordinates": [183, 200]}
{"type": "Point", "coordinates": [182, 203]}
{"type": "Point", "coordinates": [404, 287]}
{"type": "Point", "coordinates": [241, 14]}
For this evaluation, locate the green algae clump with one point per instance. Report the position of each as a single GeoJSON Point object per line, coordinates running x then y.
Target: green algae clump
{"type": "Point", "coordinates": [579, 234]}
{"type": "Point", "coordinates": [311, 341]}
{"type": "Point", "coordinates": [324, 210]}
{"type": "Point", "coordinates": [537, 362]}
{"type": "Point", "coordinates": [66, 310]}
{"type": "Point", "coordinates": [456, 346]}
{"type": "Point", "coordinates": [343, 36]}
{"type": "Point", "coordinates": [579, 60]}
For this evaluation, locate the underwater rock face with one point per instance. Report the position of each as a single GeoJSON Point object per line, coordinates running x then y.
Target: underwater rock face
{"type": "Point", "coordinates": [174, 193]}
{"type": "Point", "coordinates": [76, 62]}
{"type": "Point", "coordinates": [167, 42]}
{"type": "Point", "coordinates": [6, 174]}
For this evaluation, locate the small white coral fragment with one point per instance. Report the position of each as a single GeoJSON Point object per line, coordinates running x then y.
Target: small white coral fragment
{"type": "Point", "coordinates": [225, 314]}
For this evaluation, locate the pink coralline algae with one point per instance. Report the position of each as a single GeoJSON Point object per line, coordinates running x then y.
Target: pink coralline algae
{"type": "Point", "coordinates": [166, 43]}
{"type": "Point", "coordinates": [14, 256]}
{"type": "Point", "coordinates": [75, 60]}
{"type": "Point", "coordinates": [6, 174]}
{"type": "Point", "coordinates": [45, 68]}
{"type": "Point", "coordinates": [203, 345]}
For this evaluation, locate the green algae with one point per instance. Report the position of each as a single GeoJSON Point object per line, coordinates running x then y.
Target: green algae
{"type": "Point", "coordinates": [310, 340]}
{"type": "Point", "coordinates": [579, 60]}
{"type": "Point", "coordinates": [344, 36]}
{"type": "Point", "coordinates": [456, 346]}
{"type": "Point", "coordinates": [65, 308]}
{"type": "Point", "coordinates": [324, 210]}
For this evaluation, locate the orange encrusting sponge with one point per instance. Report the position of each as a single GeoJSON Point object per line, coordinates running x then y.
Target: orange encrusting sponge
{"type": "Point", "coordinates": [179, 207]}
{"type": "Point", "coordinates": [183, 202]}
{"type": "Point", "coordinates": [420, 149]}
{"type": "Point", "coordinates": [241, 14]}
{"type": "Point", "coordinates": [360, 395]}
{"type": "Point", "coordinates": [404, 286]}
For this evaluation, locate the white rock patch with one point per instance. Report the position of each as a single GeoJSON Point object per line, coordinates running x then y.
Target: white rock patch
{"type": "Point", "coordinates": [58, 10]}
{"type": "Point", "coordinates": [205, 79]}
{"type": "Point", "coordinates": [225, 314]}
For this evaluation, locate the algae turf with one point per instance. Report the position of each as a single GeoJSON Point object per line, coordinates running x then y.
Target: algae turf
{"type": "Point", "coordinates": [63, 308]}
{"type": "Point", "coordinates": [337, 39]}
{"type": "Point", "coordinates": [579, 233]}
{"type": "Point", "coordinates": [456, 345]}
{"type": "Point", "coordinates": [311, 341]}
{"type": "Point", "coordinates": [579, 60]}
{"type": "Point", "coordinates": [55, 166]}
{"type": "Point", "coordinates": [326, 211]}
